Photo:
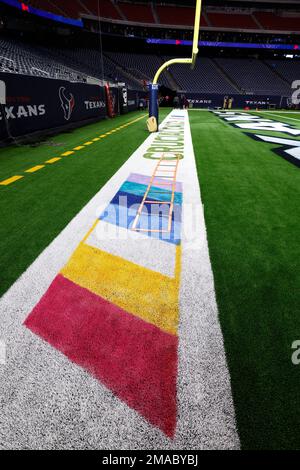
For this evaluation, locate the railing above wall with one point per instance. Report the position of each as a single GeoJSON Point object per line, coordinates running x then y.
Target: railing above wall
{"type": "Point", "coordinates": [187, 28]}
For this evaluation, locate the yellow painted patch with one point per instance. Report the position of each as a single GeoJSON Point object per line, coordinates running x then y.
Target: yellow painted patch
{"type": "Point", "coordinates": [53, 160]}
{"type": "Point", "coordinates": [96, 139]}
{"type": "Point", "coordinates": [66, 154]}
{"type": "Point", "coordinates": [11, 180]}
{"type": "Point", "coordinates": [102, 136]}
{"type": "Point", "coordinates": [140, 291]}
{"type": "Point", "coordinates": [34, 169]}
{"type": "Point", "coordinates": [91, 230]}
{"type": "Point", "coordinates": [79, 147]}
{"type": "Point", "coordinates": [88, 143]}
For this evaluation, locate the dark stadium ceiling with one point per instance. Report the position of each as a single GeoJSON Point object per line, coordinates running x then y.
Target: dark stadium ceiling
{"type": "Point", "coordinates": [282, 4]}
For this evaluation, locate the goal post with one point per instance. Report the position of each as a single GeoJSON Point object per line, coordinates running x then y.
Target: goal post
{"type": "Point", "coordinates": [153, 87]}
{"type": "Point", "coordinates": [2, 92]}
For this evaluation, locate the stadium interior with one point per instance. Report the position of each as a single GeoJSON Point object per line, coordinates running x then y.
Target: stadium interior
{"type": "Point", "coordinates": [180, 337]}
{"type": "Point", "coordinates": [125, 29]}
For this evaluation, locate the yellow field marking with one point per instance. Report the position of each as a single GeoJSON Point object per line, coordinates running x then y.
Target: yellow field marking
{"type": "Point", "coordinates": [66, 154]}
{"type": "Point", "coordinates": [121, 127]}
{"type": "Point", "coordinates": [53, 160]}
{"type": "Point", "coordinates": [91, 230]}
{"type": "Point", "coordinates": [144, 293]}
{"type": "Point", "coordinates": [11, 180]}
{"type": "Point", "coordinates": [34, 169]}
{"type": "Point", "coordinates": [178, 264]}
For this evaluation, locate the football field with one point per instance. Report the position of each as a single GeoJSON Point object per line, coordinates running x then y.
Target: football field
{"type": "Point", "coordinates": [224, 348]}
{"type": "Point", "coordinates": [251, 198]}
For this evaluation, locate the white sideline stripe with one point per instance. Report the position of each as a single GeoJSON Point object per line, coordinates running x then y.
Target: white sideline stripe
{"type": "Point", "coordinates": [294, 152]}
{"type": "Point", "coordinates": [279, 140]}
{"type": "Point", "coordinates": [279, 115]}
{"type": "Point", "coordinates": [57, 404]}
{"type": "Point", "coordinates": [282, 111]}
{"type": "Point", "coordinates": [203, 369]}
{"type": "Point", "coordinates": [134, 247]}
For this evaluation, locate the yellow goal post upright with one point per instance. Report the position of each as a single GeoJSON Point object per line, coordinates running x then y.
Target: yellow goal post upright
{"type": "Point", "coordinates": [153, 120]}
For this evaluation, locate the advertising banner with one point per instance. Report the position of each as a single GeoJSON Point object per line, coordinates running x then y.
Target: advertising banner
{"type": "Point", "coordinates": [36, 104]}
{"type": "Point", "coordinates": [132, 100]}
{"type": "Point", "coordinates": [210, 100]}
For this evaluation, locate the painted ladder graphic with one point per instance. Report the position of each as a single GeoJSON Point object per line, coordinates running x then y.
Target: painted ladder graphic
{"type": "Point", "coordinates": [167, 182]}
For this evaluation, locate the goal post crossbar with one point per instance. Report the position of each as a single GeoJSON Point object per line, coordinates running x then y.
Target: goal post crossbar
{"type": "Point", "coordinates": [190, 60]}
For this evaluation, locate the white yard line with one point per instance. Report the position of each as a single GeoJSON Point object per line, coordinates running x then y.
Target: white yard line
{"type": "Point", "coordinates": [277, 115]}
{"type": "Point", "coordinates": [48, 402]}
{"type": "Point", "coordinates": [203, 370]}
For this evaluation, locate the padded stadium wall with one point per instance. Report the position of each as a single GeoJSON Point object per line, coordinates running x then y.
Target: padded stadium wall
{"type": "Point", "coordinates": [36, 105]}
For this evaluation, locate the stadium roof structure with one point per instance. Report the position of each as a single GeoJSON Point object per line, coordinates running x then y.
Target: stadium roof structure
{"type": "Point", "coordinates": [233, 3]}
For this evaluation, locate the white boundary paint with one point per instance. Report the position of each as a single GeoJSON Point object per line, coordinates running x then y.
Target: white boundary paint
{"type": "Point", "coordinates": [281, 116]}
{"type": "Point", "coordinates": [48, 402]}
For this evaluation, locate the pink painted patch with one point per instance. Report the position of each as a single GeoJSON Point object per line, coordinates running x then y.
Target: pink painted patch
{"type": "Point", "coordinates": [143, 179]}
{"type": "Point", "coordinates": [134, 359]}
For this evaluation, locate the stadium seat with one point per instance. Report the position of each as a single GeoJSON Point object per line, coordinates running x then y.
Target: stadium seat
{"type": "Point", "coordinates": [140, 66]}
{"type": "Point", "coordinates": [138, 13]}
{"type": "Point", "coordinates": [107, 9]}
{"type": "Point", "coordinates": [209, 76]}
{"type": "Point", "coordinates": [176, 16]}
{"type": "Point", "coordinates": [289, 70]}
{"type": "Point", "coordinates": [47, 5]}
{"type": "Point", "coordinates": [253, 76]}
{"type": "Point", "coordinates": [232, 20]}
{"type": "Point", "coordinates": [272, 21]}
{"type": "Point", "coordinates": [17, 57]}
{"type": "Point", "coordinates": [65, 64]}
{"type": "Point", "coordinates": [205, 78]}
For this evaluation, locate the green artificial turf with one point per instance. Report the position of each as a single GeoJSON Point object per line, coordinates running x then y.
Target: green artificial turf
{"type": "Point", "coordinates": [251, 198]}
{"type": "Point", "coordinates": [35, 209]}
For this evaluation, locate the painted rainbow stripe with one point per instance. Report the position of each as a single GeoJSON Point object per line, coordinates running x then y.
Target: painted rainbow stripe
{"type": "Point", "coordinates": [123, 208]}
{"type": "Point", "coordinates": [114, 308]}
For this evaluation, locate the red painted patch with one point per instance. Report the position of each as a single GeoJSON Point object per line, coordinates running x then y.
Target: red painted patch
{"type": "Point", "coordinates": [135, 359]}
